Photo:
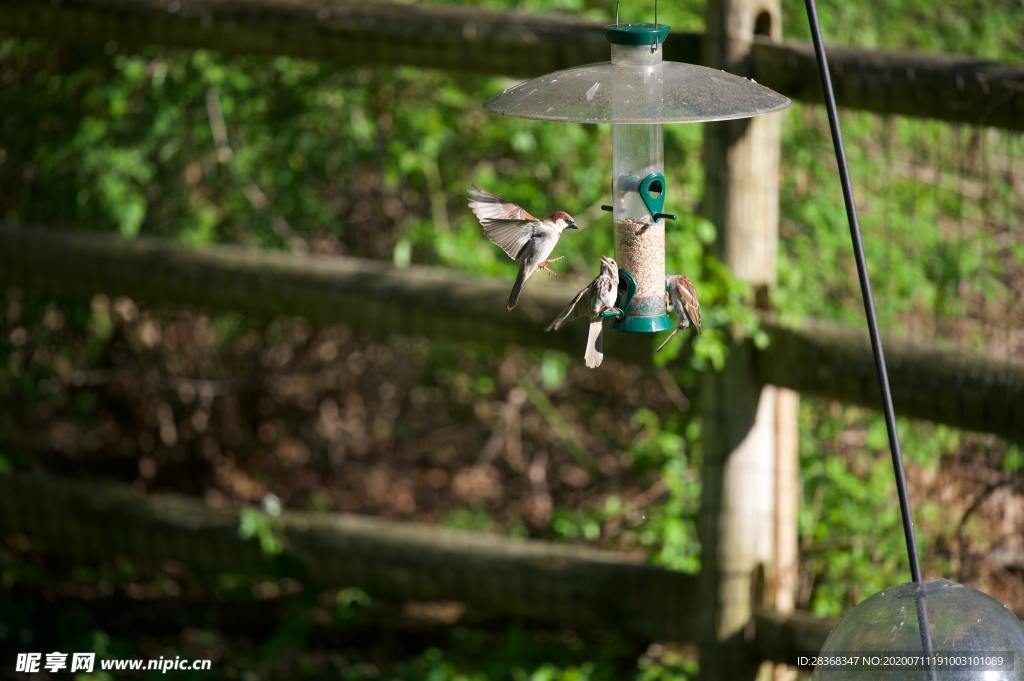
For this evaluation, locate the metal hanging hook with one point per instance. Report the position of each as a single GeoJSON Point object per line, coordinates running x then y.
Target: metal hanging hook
{"type": "Point", "coordinates": [618, 2]}
{"type": "Point", "coordinates": [654, 41]}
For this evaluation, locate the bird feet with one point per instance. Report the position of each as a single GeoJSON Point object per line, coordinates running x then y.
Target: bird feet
{"type": "Point", "coordinates": [544, 264]}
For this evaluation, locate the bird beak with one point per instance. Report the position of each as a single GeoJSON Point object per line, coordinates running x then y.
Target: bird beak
{"type": "Point", "coordinates": [573, 225]}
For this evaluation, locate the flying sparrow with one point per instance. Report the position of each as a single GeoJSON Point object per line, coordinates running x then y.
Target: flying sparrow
{"type": "Point", "coordinates": [597, 297]}
{"type": "Point", "coordinates": [524, 238]}
{"type": "Point", "coordinates": [682, 298]}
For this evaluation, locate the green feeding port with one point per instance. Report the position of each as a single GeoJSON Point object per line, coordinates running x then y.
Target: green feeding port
{"type": "Point", "coordinates": [635, 323]}
{"type": "Point", "coordinates": [652, 193]}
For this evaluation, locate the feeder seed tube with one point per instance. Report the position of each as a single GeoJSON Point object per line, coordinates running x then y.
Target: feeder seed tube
{"type": "Point", "coordinates": [637, 152]}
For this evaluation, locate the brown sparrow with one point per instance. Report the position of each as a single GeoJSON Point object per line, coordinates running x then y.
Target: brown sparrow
{"type": "Point", "coordinates": [682, 297]}
{"type": "Point", "coordinates": [524, 238]}
{"type": "Point", "coordinates": [597, 297]}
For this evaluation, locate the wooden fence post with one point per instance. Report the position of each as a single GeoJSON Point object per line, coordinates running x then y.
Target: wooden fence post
{"type": "Point", "coordinates": [783, 586]}
{"type": "Point", "coordinates": [746, 427]}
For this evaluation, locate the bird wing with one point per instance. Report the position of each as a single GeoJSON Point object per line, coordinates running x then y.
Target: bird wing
{"type": "Point", "coordinates": [688, 297]}
{"type": "Point", "coordinates": [512, 236]}
{"type": "Point", "coordinates": [506, 224]}
{"type": "Point", "coordinates": [487, 206]}
{"type": "Point", "coordinates": [568, 312]}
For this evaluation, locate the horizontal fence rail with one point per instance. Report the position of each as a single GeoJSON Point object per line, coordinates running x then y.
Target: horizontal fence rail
{"type": "Point", "coordinates": [952, 88]}
{"type": "Point", "coordinates": [534, 580]}
{"type": "Point", "coordinates": [935, 383]}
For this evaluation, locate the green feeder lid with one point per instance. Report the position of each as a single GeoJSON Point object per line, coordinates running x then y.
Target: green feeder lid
{"type": "Point", "coordinates": [636, 34]}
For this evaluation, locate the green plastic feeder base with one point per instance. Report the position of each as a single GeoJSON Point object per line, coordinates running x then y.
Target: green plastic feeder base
{"type": "Point", "coordinates": [636, 324]}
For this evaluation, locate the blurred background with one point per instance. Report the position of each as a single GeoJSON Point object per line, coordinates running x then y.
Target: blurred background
{"type": "Point", "coordinates": [308, 157]}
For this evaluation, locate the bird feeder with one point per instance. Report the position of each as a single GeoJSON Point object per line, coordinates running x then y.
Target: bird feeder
{"type": "Point", "coordinates": [637, 92]}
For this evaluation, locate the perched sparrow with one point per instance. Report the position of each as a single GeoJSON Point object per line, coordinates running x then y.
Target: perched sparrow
{"type": "Point", "coordinates": [682, 297]}
{"type": "Point", "coordinates": [524, 238]}
{"type": "Point", "coordinates": [597, 297]}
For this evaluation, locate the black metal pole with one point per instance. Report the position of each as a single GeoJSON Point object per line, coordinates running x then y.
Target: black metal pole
{"type": "Point", "coordinates": [865, 289]}
{"type": "Point", "coordinates": [869, 311]}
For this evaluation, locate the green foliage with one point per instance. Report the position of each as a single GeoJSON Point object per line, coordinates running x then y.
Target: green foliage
{"type": "Point", "coordinates": [668, 528]}
{"type": "Point", "coordinates": [515, 655]}
{"type": "Point", "coordinates": [670, 667]}
{"type": "Point", "coordinates": [1013, 462]}
{"type": "Point", "coordinates": [473, 519]}
{"type": "Point", "coordinates": [572, 523]}
{"type": "Point", "coordinates": [957, 26]}
{"type": "Point", "coordinates": [259, 525]}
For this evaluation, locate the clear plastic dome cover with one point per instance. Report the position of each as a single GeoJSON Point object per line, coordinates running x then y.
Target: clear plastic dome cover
{"type": "Point", "coordinates": [973, 637]}
{"type": "Point", "coordinates": [663, 92]}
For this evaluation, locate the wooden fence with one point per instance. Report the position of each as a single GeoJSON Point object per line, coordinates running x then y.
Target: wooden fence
{"type": "Point", "coordinates": [935, 383]}
{"type": "Point", "coordinates": [749, 419]}
{"type": "Point", "coordinates": [533, 580]}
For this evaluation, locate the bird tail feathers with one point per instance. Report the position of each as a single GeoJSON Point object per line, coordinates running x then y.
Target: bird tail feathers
{"type": "Point", "coordinates": [595, 345]}
{"type": "Point", "coordinates": [517, 288]}
{"type": "Point", "coordinates": [665, 342]}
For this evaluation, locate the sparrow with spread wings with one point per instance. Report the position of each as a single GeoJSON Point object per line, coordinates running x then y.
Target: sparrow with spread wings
{"type": "Point", "coordinates": [682, 298]}
{"type": "Point", "coordinates": [526, 239]}
{"type": "Point", "coordinates": [594, 299]}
